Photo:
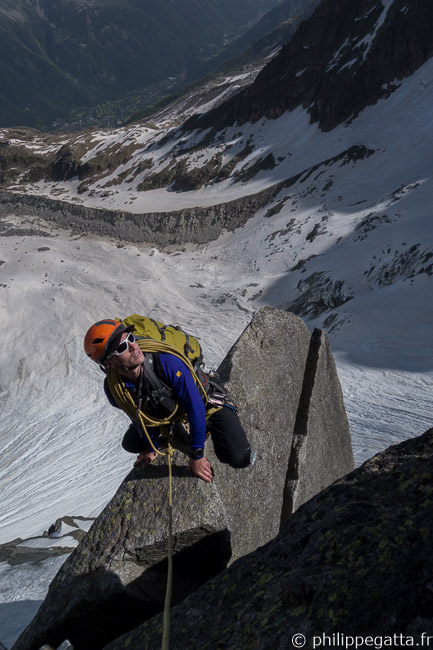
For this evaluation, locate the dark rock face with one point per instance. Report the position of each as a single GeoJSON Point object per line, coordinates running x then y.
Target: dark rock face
{"type": "Point", "coordinates": [355, 560]}
{"type": "Point", "coordinates": [346, 56]}
{"type": "Point", "coordinates": [65, 165]}
{"type": "Point", "coordinates": [271, 32]}
{"type": "Point", "coordinates": [197, 225]}
{"type": "Point", "coordinates": [321, 442]}
{"type": "Point", "coordinates": [319, 293]}
{"type": "Point", "coordinates": [290, 404]}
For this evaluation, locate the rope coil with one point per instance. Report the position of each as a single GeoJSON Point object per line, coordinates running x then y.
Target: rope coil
{"type": "Point", "coordinates": [126, 402]}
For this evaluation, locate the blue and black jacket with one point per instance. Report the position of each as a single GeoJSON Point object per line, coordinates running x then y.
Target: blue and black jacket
{"type": "Point", "coordinates": [176, 375]}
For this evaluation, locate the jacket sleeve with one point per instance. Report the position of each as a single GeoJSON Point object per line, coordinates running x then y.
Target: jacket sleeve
{"type": "Point", "coordinates": [186, 391]}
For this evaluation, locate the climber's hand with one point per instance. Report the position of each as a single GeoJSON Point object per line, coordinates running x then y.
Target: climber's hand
{"type": "Point", "coordinates": [201, 468]}
{"type": "Point", "coordinates": [144, 458]}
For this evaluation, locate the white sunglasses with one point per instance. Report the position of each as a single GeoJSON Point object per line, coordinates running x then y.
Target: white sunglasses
{"type": "Point", "coordinates": [123, 346]}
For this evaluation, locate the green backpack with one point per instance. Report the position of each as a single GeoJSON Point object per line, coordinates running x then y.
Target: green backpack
{"type": "Point", "coordinates": [172, 334]}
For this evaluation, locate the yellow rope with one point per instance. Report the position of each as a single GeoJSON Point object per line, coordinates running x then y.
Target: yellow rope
{"type": "Point", "coordinates": [167, 603]}
{"type": "Point", "coordinates": [126, 402]}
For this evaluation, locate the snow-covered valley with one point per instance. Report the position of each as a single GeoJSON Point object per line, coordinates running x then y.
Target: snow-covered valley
{"type": "Point", "coordinates": [348, 244]}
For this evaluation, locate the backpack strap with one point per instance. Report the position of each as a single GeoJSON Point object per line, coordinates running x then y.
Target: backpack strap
{"type": "Point", "coordinates": [187, 347]}
{"type": "Point", "coordinates": [152, 371]}
{"type": "Point", "coordinates": [161, 330]}
{"type": "Point", "coordinates": [155, 391]}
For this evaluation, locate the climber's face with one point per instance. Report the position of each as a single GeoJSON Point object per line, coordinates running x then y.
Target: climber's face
{"type": "Point", "coordinates": [127, 354]}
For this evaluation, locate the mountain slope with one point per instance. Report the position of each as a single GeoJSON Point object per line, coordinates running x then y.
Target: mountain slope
{"type": "Point", "coordinates": [343, 237]}
{"type": "Point", "coordinates": [272, 31]}
{"type": "Point", "coordinates": [344, 58]}
{"type": "Point", "coordinates": [56, 59]}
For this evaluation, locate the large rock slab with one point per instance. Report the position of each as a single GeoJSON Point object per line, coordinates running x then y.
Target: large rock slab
{"type": "Point", "coordinates": [290, 404]}
{"type": "Point", "coordinates": [116, 577]}
{"type": "Point", "coordinates": [355, 560]}
{"type": "Point", "coordinates": [264, 373]}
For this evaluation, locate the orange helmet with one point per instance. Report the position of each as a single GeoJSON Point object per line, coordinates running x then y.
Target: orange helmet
{"type": "Point", "coordinates": [99, 337]}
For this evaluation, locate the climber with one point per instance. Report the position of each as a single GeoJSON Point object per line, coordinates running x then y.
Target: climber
{"type": "Point", "coordinates": [164, 383]}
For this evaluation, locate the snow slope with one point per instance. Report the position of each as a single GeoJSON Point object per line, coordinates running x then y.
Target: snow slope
{"type": "Point", "coordinates": [349, 245]}
{"type": "Point", "coordinates": [360, 232]}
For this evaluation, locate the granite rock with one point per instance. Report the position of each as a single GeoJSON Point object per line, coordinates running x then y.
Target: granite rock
{"type": "Point", "coordinates": [353, 561]}
{"type": "Point", "coordinates": [286, 387]}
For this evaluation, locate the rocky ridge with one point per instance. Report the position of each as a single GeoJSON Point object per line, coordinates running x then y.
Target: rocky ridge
{"type": "Point", "coordinates": [60, 538]}
{"type": "Point", "coordinates": [339, 61]}
{"type": "Point", "coordinates": [161, 156]}
{"type": "Point", "coordinates": [354, 561]}
{"type": "Point", "coordinates": [291, 405]}
{"type": "Point", "coordinates": [346, 56]}
{"type": "Point", "coordinates": [196, 225]}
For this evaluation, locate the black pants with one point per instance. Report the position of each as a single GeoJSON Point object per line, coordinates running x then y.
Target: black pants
{"type": "Point", "coordinates": [228, 437]}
